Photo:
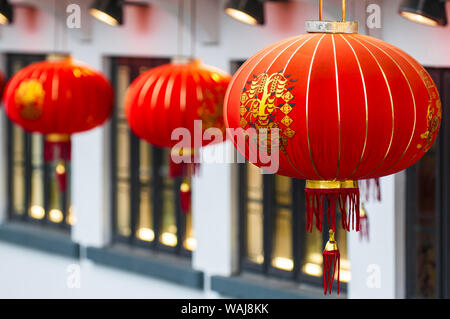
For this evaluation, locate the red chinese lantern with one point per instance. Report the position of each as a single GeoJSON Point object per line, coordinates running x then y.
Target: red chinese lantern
{"type": "Point", "coordinates": [58, 99]}
{"type": "Point", "coordinates": [175, 96]}
{"type": "Point", "coordinates": [346, 106]}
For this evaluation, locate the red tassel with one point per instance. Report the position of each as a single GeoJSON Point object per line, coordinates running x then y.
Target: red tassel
{"type": "Point", "coordinates": [58, 147]}
{"type": "Point", "coordinates": [315, 199]}
{"type": "Point", "coordinates": [364, 232]}
{"type": "Point", "coordinates": [185, 197]}
{"type": "Point", "coordinates": [366, 189]}
{"type": "Point", "coordinates": [331, 263]}
{"type": "Point", "coordinates": [188, 166]}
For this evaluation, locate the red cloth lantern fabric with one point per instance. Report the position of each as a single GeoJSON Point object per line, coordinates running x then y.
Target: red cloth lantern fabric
{"type": "Point", "coordinates": [347, 107]}
{"type": "Point", "coordinates": [174, 96]}
{"type": "Point", "coordinates": [58, 99]}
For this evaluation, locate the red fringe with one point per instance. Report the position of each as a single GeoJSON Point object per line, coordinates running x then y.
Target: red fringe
{"type": "Point", "coordinates": [315, 199]}
{"type": "Point", "coordinates": [366, 189]}
{"type": "Point", "coordinates": [331, 262]}
{"type": "Point", "coordinates": [364, 232]}
{"type": "Point", "coordinates": [183, 169]}
{"type": "Point", "coordinates": [185, 201]}
{"type": "Point", "coordinates": [58, 151]}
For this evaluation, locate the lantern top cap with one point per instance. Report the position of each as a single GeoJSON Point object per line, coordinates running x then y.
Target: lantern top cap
{"type": "Point", "coordinates": [56, 57]}
{"type": "Point", "coordinates": [332, 27]}
{"type": "Point", "coordinates": [185, 60]}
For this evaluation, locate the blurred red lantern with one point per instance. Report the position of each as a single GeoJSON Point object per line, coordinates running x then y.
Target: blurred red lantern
{"type": "Point", "coordinates": [58, 99]}
{"type": "Point", "coordinates": [347, 107]}
{"type": "Point", "coordinates": [175, 96]}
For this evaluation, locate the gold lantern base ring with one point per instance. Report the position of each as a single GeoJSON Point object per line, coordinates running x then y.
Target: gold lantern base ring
{"type": "Point", "coordinates": [328, 196]}
{"type": "Point", "coordinates": [313, 184]}
{"type": "Point", "coordinates": [57, 137]}
{"type": "Point", "coordinates": [348, 27]}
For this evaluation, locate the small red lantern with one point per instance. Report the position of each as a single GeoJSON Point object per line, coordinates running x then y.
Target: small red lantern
{"type": "Point", "coordinates": [58, 99]}
{"type": "Point", "coordinates": [347, 107]}
{"type": "Point", "coordinates": [175, 96]}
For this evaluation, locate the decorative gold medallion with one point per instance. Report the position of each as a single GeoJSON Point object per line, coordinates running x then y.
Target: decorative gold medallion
{"type": "Point", "coordinates": [29, 98]}
{"type": "Point", "coordinates": [265, 105]}
{"type": "Point", "coordinates": [434, 113]}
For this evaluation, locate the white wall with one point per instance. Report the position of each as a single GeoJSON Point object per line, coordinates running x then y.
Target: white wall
{"type": "Point", "coordinates": [153, 32]}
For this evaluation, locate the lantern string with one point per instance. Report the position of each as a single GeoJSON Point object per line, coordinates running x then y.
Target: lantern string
{"type": "Point", "coordinates": [180, 27]}
{"type": "Point", "coordinates": [193, 27]}
{"type": "Point", "coordinates": [321, 10]}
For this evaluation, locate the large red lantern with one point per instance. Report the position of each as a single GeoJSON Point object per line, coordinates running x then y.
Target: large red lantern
{"type": "Point", "coordinates": [175, 96]}
{"type": "Point", "coordinates": [58, 99]}
{"type": "Point", "coordinates": [347, 107]}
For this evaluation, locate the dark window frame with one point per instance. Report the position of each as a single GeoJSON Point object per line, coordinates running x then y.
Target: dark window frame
{"type": "Point", "coordinates": [269, 208]}
{"type": "Point", "coordinates": [441, 76]}
{"type": "Point", "coordinates": [298, 229]}
{"type": "Point", "coordinates": [26, 59]}
{"type": "Point", "coordinates": [135, 184]}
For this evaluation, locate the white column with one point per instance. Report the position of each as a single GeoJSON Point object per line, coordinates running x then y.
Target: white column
{"type": "Point", "coordinates": [376, 266]}
{"type": "Point", "coordinates": [215, 214]}
{"type": "Point", "coordinates": [89, 185]}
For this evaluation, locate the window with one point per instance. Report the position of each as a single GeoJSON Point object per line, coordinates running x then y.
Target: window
{"type": "Point", "coordinates": [274, 240]}
{"type": "Point", "coordinates": [145, 200]}
{"type": "Point", "coordinates": [427, 207]}
{"type": "Point", "coordinates": [34, 194]}
{"type": "Point", "coordinates": [273, 235]}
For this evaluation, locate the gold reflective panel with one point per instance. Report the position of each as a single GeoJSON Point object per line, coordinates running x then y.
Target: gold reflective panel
{"type": "Point", "coordinates": [18, 170]}
{"type": "Point", "coordinates": [282, 240]}
{"type": "Point", "coordinates": [190, 243]}
{"type": "Point", "coordinates": [55, 198]}
{"type": "Point", "coordinates": [37, 194]}
{"type": "Point", "coordinates": [282, 237]}
{"type": "Point", "coordinates": [168, 235]}
{"type": "Point", "coordinates": [123, 150]}
{"type": "Point", "coordinates": [19, 189]}
{"type": "Point", "coordinates": [254, 182]}
{"type": "Point", "coordinates": [254, 223]}
{"type": "Point", "coordinates": [312, 264]}
{"type": "Point", "coordinates": [123, 208]}
{"type": "Point", "coordinates": [36, 150]}
{"type": "Point", "coordinates": [71, 219]}
{"type": "Point", "coordinates": [169, 229]}
{"type": "Point", "coordinates": [123, 81]}
{"type": "Point", "coordinates": [145, 161]}
{"type": "Point", "coordinates": [341, 239]}
{"type": "Point", "coordinates": [145, 223]}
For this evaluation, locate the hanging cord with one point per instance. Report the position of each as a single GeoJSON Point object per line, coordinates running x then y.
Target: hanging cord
{"type": "Point", "coordinates": [193, 27]}
{"type": "Point", "coordinates": [55, 27]}
{"type": "Point", "coordinates": [321, 10]}
{"type": "Point", "coordinates": [180, 27]}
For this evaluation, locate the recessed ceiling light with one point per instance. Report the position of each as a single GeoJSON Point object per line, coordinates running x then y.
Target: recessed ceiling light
{"type": "Point", "coordinates": [429, 12]}
{"type": "Point", "coordinates": [6, 12]}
